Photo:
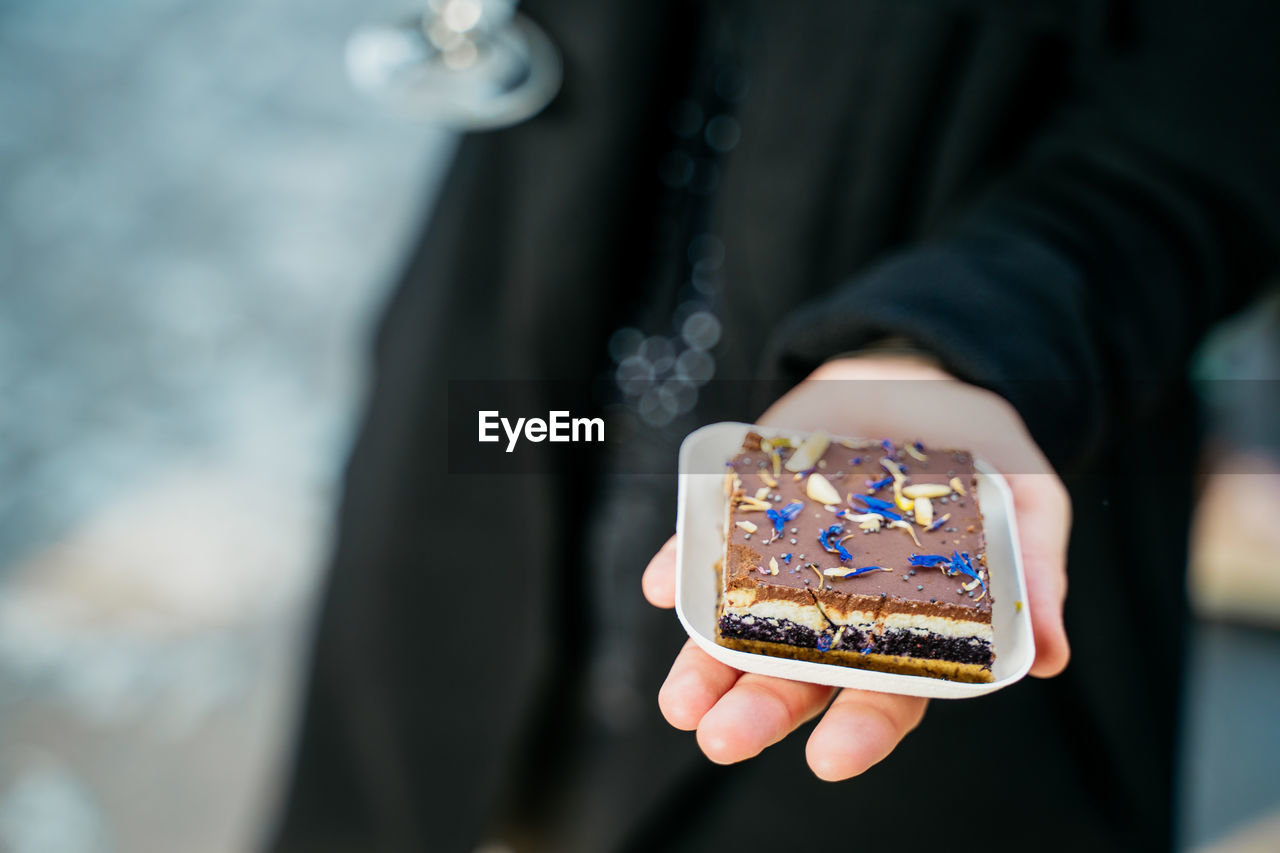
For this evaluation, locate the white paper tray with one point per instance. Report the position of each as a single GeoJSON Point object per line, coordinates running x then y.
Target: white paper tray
{"type": "Point", "coordinates": [699, 531]}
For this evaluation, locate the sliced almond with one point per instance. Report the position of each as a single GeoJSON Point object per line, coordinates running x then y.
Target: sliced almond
{"type": "Point", "coordinates": [860, 516]}
{"type": "Point", "coordinates": [926, 490]}
{"type": "Point", "coordinates": [819, 488]}
{"type": "Point", "coordinates": [911, 449]}
{"type": "Point", "coordinates": [903, 503]}
{"type": "Point", "coordinates": [893, 468]}
{"type": "Point", "coordinates": [924, 511]}
{"type": "Point", "coordinates": [762, 493]}
{"type": "Point", "coordinates": [957, 486]}
{"type": "Point", "coordinates": [748, 526]}
{"type": "Point", "coordinates": [908, 528]}
{"type": "Point", "coordinates": [809, 452]}
{"type": "Point", "coordinates": [773, 565]}
{"type": "Point", "coordinates": [767, 480]}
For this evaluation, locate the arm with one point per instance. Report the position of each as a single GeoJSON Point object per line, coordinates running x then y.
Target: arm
{"type": "Point", "coordinates": [1078, 286]}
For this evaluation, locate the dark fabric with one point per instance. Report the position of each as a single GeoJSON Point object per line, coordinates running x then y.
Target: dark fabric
{"type": "Point", "coordinates": [1055, 197]}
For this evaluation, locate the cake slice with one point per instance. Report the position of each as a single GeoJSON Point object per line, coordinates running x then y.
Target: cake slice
{"type": "Point", "coordinates": [859, 553]}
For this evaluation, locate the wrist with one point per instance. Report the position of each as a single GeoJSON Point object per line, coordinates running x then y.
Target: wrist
{"type": "Point", "coordinates": [882, 364]}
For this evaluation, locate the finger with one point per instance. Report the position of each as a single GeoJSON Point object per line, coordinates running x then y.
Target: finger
{"type": "Point", "coordinates": [694, 685]}
{"type": "Point", "coordinates": [1044, 521]}
{"type": "Point", "coordinates": [859, 730]}
{"type": "Point", "coordinates": [659, 579]}
{"type": "Point", "coordinates": [756, 712]}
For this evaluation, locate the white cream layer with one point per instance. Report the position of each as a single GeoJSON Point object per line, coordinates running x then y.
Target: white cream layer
{"type": "Point", "coordinates": [742, 602]}
{"type": "Point", "coordinates": [801, 614]}
{"type": "Point", "coordinates": [939, 625]}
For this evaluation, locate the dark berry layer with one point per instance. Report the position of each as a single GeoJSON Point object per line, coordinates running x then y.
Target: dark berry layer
{"type": "Point", "coordinates": [768, 630]}
{"type": "Point", "coordinates": [899, 642]}
{"type": "Point", "coordinates": [932, 646]}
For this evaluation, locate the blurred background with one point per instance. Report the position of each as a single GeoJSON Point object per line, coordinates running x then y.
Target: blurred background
{"type": "Point", "coordinates": [200, 220]}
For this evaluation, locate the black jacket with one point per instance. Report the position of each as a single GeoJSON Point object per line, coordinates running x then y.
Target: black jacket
{"type": "Point", "coordinates": [1057, 198]}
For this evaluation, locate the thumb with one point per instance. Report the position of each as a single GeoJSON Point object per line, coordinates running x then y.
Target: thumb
{"type": "Point", "coordinates": [659, 580]}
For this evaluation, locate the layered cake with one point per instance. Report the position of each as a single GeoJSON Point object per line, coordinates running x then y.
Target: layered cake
{"type": "Point", "coordinates": [858, 553]}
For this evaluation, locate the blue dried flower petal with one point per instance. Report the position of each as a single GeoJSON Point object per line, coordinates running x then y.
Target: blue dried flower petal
{"type": "Point", "coordinates": [780, 517]}
{"type": "Point", "coordinates": [927, 561]}
{"type": "Point", "coordinates": [888, 446]}
{"type": "Point", "coordinates": [876, 506]}
{"type": "Point", "coordinates": [825, 537]}
{"type": "Point", "coordinates": [938, 522]}
{"type": "Point", "coordinates": [971, 571]}
{"type": "Point", "coordinates": [879, 484]}
{"type": "Point", "coordinates": [786, 558]}
{"type": "Point", "coordinates": [824, 642]}
{"type": "Point", "coordinates": [857, 460]}
{"type": "Point", "coordinates": [962, 564]}
{"type": "Point", "coordinates": [853, 573]}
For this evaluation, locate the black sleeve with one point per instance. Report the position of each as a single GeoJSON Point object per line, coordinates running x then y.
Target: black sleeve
{"type": "Point", "coordinates": [1148, 208]}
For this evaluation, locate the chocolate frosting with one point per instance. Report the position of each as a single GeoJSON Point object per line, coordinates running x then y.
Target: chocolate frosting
{"type": "Point", "coordinates": [924, 591]}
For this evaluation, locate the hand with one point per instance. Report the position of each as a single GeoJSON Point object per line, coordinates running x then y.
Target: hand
{"type": "Point", "coordinates": [737, 715]}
